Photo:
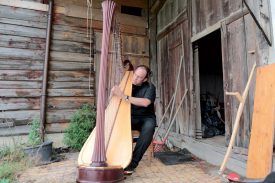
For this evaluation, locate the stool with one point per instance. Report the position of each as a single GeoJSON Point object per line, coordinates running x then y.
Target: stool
{"type": "Point", "coordinates": [150, 150]}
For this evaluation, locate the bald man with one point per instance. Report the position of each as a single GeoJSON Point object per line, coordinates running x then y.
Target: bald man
{"type": "Point", "coordinates": [143, 116]}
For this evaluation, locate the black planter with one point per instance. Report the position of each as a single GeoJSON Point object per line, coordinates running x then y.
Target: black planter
{"type": "Point", "coordinates": [41, 153]}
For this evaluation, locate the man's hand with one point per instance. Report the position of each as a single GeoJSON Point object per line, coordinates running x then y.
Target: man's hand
{"type": "Point", "coordinates": [117, 92]}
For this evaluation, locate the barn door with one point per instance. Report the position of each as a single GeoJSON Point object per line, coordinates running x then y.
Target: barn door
{"type": "Point", "coordinates": [260, 11]}
{"type": "Point", "coordinates": [239, 53]}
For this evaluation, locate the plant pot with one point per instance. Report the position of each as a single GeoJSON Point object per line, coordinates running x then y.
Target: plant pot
{"type": "Point", "coordinates": [41, 153]}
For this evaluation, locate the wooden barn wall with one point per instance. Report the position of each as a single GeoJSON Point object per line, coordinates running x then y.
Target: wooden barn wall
{"type": "Point", "coordinates": [243, 44]}
{"type": "Point", "coordinates": [206, 13]}
{"type": "Point", "coordinates": [69, 84]}
{"type": "Point", "coordinates": [22, 49]}
{"type": "Point", "coordinates": [23, 33]}
{"type": "Point", "coordinates": [173, 42]}
{"type": "Point", "coordinates": [134, 40]}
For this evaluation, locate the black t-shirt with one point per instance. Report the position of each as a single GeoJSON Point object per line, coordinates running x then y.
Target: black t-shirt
{"type": "Point", "coordinates": [146, 90]}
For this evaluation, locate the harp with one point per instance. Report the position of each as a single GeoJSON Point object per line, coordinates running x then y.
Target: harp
{"type": "Point", "coordinates": [109, 147]}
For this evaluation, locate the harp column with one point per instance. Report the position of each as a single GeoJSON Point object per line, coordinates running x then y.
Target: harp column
{"type": "Point", "coordinates": [98, 170]}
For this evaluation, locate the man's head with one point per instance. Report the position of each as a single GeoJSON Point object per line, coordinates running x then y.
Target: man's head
{"type": "Point", "coordinates": [141, 74]}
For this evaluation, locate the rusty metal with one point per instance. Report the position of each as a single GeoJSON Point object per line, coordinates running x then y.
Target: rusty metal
{"type": "Point", "coordinates": [45, 72]}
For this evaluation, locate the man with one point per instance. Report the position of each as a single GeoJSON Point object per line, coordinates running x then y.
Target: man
{"type": "Point", "coordinates": [143, 116]}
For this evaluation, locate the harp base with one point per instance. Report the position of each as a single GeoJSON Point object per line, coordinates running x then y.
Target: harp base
{"type": "Point", "coordinates": [109, 174]}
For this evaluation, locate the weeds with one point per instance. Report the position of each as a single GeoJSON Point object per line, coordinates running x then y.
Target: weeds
{"type": "Point", "coordinates": [82, 123]}
{"type": "Point", "coordinates": [12, 161]}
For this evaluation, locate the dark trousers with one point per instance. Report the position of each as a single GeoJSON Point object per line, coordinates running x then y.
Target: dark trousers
{"type": "Point", "coordinates": [146, 126]}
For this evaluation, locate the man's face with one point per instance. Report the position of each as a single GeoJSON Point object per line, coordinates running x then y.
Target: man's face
{"type": "Point", "coordinates": [139, 76]}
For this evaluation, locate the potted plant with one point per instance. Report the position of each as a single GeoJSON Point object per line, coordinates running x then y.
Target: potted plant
{"type": "Point", "coordinates": [38, 150]}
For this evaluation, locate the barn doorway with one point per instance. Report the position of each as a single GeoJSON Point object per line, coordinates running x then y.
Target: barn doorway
{"type": "Point", "coordinates": [211, 92]}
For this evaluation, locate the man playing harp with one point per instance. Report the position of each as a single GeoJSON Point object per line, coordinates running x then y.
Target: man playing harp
{"type": "Point", "coordinates": [143, 116]}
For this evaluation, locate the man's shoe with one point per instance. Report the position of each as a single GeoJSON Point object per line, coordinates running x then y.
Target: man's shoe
{"type": "Point", "coordinates": [129, 170]}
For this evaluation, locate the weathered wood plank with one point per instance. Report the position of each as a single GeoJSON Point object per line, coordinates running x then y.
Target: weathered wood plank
{"type": "Point", "coordinates": [22, 75]}
{"type": "Point", "coordinates": [239, 73]}
{"type": "Point", "coordinates": [21, 64]}
{"type": "Point", "coordinates": [209, 12]}
{"type": "Point", "coordinates": [134, 60]}
{"type": "Point", "coordinates": [227, 82]}
{"type": "Point", "coordinates": [235, 5]}
{"type": "Point", "coordinates": [68, 85]}
{"type": "Point", "coordinates": [35, 24]}
{"type": "Point", "coordinates": [251, 59]}
{"type": "Point", "coordinates": [70, 36]}
{"type": "Point", "coordinates": [21, 117]}
{"type": "Point", "coordinates": [19, 104]}
{"type": "Point", "coordinates": [16, 53]}
{"type": "Point", "coordinates": [20, 84]}
{"type": "Point", "coordinates": [57, 127]}
{"type": "Point", "coordinates": [25, 4]}
{"type": "Point", "coordinates": [97, 3]}
{"type": "Point", "coordinates": [80, 76]}
{"type": "Point", "coordinates": [69, 46]}
{"type": "Point", "coordinates": [69, 66]}
{"type": "Point", "coordinates": [20, 93]}
{"type": "Point", "coordinates": [126, 29]}
{"type": "Point", "coordinates": [59, 116]}
{"type": "Point", "coordinates": [22, 42]}
{"type": "Point", "coordinates": [18, 30]}
{"type": "Point", "coordinates": [60, 19]}
{"type": "Point", "coordinates": [70, 92]}
{"type": "Point", "coordinates": [75, 2]}
{"type": "Point", "coordinates": [81, 12]}
{"type": "Point", "coordinates": [68, 103]}
{"type": "Point", "coordinates": [16, 130]}
{"type": "Point", "coordinates": [69, 28]}
{"type": "Point", "coordinates": [130, 44]}
{"type": "Point", "coordinates": [67, 56]}
{"type": "Point", "coordinates": [260, 11]}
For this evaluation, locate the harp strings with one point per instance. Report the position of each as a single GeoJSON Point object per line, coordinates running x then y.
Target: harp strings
{"type": "Point", "coordinates": [116, 72]}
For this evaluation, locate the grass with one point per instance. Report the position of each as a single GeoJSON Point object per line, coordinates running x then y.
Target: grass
{"type": "Point", "coordinates": [12, 161]}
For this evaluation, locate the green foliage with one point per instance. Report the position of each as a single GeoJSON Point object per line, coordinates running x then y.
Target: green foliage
{"type": "Point", "coordinates": [12, 161]}
{"type": "Point", "coordinates": [81, 124]}
{"type": "Point", "coordinates": [4, 181]}
{"type": "Point", "coordinates": [5, 151]}
{"type": "Point", "coordinates": [34, 137]}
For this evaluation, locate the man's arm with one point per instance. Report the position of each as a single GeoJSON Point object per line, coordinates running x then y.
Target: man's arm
{"type": "Point", "coordinates": [142, 102]}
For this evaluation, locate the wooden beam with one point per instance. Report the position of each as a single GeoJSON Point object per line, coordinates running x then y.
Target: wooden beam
{"type": "Point", "coordinates": [168, 28]}
{"type": "Point", "coordinates": [235, 16]}
{"type": "Point", "coordinates": [25, 4]}
{"type": "Point", "coordinates": [157, 6]}
{"type": "Point", "coordinates": [81, 12]}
